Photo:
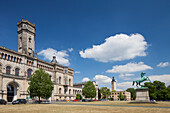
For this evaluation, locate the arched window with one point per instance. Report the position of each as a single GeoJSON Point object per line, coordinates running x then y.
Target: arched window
{"type": "Point", "coordinates": [29, 71]}
{"type": "Point", "coordinates": [59, 90]}
{"type": "Point", "coordinates": [8, 57]}
{"type": "Point", "coordinates": [65, 81]}
{"type": "Point", "coordinates": [0, 68]}
{"type": "Point", "coordinates": [11, 58]}
{"type": "Point", "coordinates": [73, 91]}
{"type": "Point", "coordinates": [5, 56]}
{"type": "Point", "coordinates": [65, 91]}
{"type": "Point", "coordinates": [17, 71]}
{"type": "Point", "coordinates": [69, 82]}
{"type": "Point", "coordinates": [69, 91]}
{"type": "Point", "coordinates": [59, 80]}
{"type": "Point", "coordinates": [8, 70]}
{"type": "Point", "coordinates": [2, 55]}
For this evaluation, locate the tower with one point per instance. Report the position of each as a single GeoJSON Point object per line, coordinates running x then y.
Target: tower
{"type": "Point", "coordinates": [113, 82]}
{"type": "Point", "coordinates": [26, 37]}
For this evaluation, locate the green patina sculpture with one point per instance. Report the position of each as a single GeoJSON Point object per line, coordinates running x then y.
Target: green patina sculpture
{"type": "Point", "coordinates": [142, 79]}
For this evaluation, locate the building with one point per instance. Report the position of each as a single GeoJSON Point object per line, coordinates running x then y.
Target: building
{"type": "Point", "coordinates": [115, 94]}
{"type": "Point", "coordinates": [17, 67]}
{"type": "Point", "coordinates": [81, 85]}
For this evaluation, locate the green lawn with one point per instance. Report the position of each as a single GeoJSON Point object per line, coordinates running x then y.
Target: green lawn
{"type": "Point", "coordinates": [56, 108]}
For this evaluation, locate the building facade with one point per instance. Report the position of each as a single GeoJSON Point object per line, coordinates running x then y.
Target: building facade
{"type": "Point", "coordinates": [17, 67]}
{"type": "Point", "coordinates": [115, 94]}
{"type": "Point", "coordinates": [81, 85]}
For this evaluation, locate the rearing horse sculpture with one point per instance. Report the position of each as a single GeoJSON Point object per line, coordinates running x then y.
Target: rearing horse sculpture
{"type": "Point", "coordinates": [142, 79]}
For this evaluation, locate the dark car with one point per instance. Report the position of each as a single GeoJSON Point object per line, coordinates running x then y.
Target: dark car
{"type": "Point", "coordinates": [85, 100]}
{"type": "Point", "coordinates": [19, 101]}
{"type": "Point", "coordinates": [2, 101]}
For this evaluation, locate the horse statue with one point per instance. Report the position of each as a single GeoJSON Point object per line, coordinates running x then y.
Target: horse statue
{"type": "Point", "coordinates": [142, 79]}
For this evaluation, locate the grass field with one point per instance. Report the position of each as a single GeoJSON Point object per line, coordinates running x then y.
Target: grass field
{"type": "Point", "coordinates": [55, 108]}
{"type": "Point", "coordinates": [159, 104]}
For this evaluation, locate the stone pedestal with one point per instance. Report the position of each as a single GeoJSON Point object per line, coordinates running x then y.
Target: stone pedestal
{"type": "Point", "coordinates": [142, 95]}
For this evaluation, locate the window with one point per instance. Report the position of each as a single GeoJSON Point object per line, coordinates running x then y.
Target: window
{"type": "Point", "coordinates": [11, 58]}
{"type": "Point", "coordinates": [69, 91]}
{"type": "Point", "coordinates": [65, 81]}
{"type": "Point", "coordinates": [8, 57]}
{"type": "Point", "coordinates": [70, 82]}
{"type": "Point", "coordinates": [2, 55]}
{"type": "Point", "coordinates": [14, 59]}
{"type": "Point", "coordinates": [65, 71]}
{"type": "Point", "coordinates": [17, 71]}
{"type": "Point", "coordinates": [0, 68]}
{"type": "Point", "coordinates": [59, 80]}
{"type": "Point", "coordinates": [65, 91]}
{"type": "Point", "coordinates": [5, 56]}
{"type": "Point", "coordinates": [17, 60]}
{"type": "Point", "coordinates": [29, 71]}
{"type": "Point", "coordinates": [59, 90]}
{"type": "Point", "coordinates": [8, 70]}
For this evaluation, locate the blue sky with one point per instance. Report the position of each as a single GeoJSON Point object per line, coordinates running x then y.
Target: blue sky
{"type": "Point", "coordinates": [137, 33]}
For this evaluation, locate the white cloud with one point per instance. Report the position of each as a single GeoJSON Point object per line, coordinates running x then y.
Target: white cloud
{"type": "Point", "coordinates": [85, 79]}
{"type": "Point", "coordinates": [129, 68]}
{"type": "Point", "coordinates": [117, 48]}
{"type": "Point", "coordinates": [77, 72]}
{"type": "Point", "coordinates": [163, 78]}
{"type": "Point", "coordinates": [102, 80]}
{"type": "Point", "coordinates": [126, 76]}
{"type": "Point", "coordinates": [70, 49]}
{"type": "Point", "coordinates": [124, 85]}
{"type": "Point", "coordinates": [163, 64]}
{"type": "Point", "coordinates": [61, 56]}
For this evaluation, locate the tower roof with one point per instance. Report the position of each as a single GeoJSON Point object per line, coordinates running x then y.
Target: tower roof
{"type": "Point", "coordinates": [54, 60]}
{"type": "Point", "coordinates": [113, 79]}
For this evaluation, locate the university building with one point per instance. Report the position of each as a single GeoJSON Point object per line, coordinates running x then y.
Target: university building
{"type": "Point", "coordinates": [17, 67]}
{"type": "Point", "coordinates": [115, 94]}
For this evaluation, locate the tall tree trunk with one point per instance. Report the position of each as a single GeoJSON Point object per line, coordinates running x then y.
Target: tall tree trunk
{"type": "Point", "coordinates": [39, 99]}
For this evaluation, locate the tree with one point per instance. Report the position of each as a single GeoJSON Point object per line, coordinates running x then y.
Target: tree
{"type": "Point", "coordinates": [99, 94]}
{"type": "Point", "coordinates": [40, 85]}
{"type": "Point", "coordinates": [133, 93]}
{"type": "Point", "coordinates": [121, 97]}
{"type": "Point", "coordinates": [105, 92]}
{"type": "Point", "coordinates": [89, 90]}
{"type": "Point", "coordinates": [152, 90]}
{"type": "Point", "coordinates": [78, 96]}
{"type": "Point", "coordinates": [158, 90]}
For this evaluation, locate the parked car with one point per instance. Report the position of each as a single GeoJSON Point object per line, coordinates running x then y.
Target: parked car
{"type": "Point", "coordinates": [85, 100]}
{"type": "Point", "coordinates": [37, 101]}
{"type": "Point", "coordinates": [95, 100]}
{"type": "Point", "coordinates": [2, 101]}
{"type": "Point", "coordinates": [19, 101]}
{"type": "Point", "coordinates": [75, 100]}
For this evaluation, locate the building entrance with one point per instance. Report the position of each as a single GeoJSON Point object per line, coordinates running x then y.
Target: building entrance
{"type": "Point", "coordinates": [10, 93]}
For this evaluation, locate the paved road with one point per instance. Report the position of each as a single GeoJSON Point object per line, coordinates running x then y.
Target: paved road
{"type": "Point", "coordinates": [110, 105]}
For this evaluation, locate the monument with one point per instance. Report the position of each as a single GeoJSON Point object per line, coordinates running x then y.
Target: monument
{"type": "Point", "coordinates": [142, 94]}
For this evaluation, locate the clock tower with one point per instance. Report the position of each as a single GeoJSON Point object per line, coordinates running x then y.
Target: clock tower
{"type": "Point", "coordinates": [26, 37]}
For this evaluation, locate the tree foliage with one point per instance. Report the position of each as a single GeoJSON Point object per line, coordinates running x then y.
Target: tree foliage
{"type": "Point", "coordinates": [40, 85]}
{"type": "Point", "coordinates": [89, 90]}
{"type": "Point", "coordinates": [133, 93]}
{"type": "Point", "coordinates": [105, 92]}
{"type": "Point", "coordinates": [158, 90]}
{"type": "Point", "coordinates": [121, 97]}
{"type": "Point", "coordinates": [78, 96]}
